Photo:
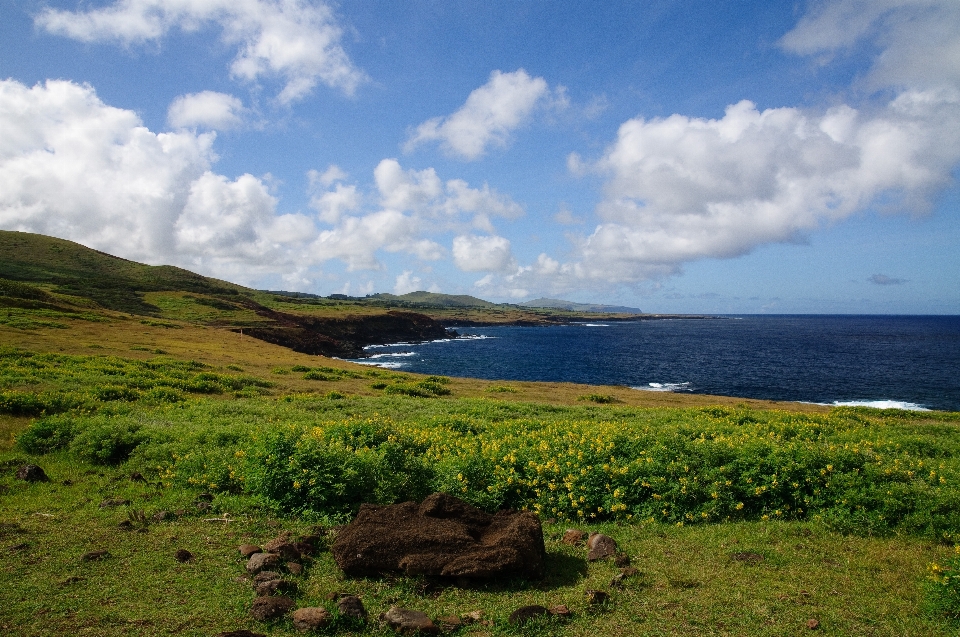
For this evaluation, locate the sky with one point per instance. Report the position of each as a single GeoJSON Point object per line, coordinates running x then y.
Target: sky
{"type": "Point", "coordinates": [696, 156]}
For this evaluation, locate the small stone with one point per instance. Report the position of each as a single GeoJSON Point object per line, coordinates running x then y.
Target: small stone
{"type": "Point", "coordinates": [136, 476]}
{"type": "Point", "coordinates": [311, 618]}
{"type": "Point", "coordinates": [351, 606]}
{"type": "Point", "coordinates": [285, 550]}
{"type": "Point", "coordinates": [813, 624]}
{"type": "Point", "coordinates": [596, 598]}
{"type": "Point", "coordinates": [126, 525]}
{"type": "Point", "coordinates": [408, 621]}
{"type": "Point", "coordinates": [332, 596]}
{"type": "Point", "coordinates": [274, 587]}
{"type": "Point", "coordinates": [265, 608]}
{"type": "Point", "coordinates": [573, 537]}
{"type": "Point", "coordinates": [472, 617]}
{"type": "Point", "coordinates": [265, 576]}
{"type": "Point", "coordinates": [91, 556]}
{"type": "Point", "coordinates": [203, 506]}
{"type": "Point", "coordinates": [262, 562]}
{"type": "Point", "coordinates": [621, 560]}
{"type": "Point", "coordinates": [295, 568]}
{"type": "Point", "coordinates": [617, 581]}
{"type": "Point", "coordinates": [561, 610]}
{"type": "Point", "coordinates": [114, 502]}
{"type": "Point", "coordinates": [183, 555]}
{"type": "Point", "coordinates": [449, 623]}
{"type": "Point", "coordinates": [304, 548]}
{"type": "Point", "coordinates": [246, 550]}
{"type": "Point", "coordinates": [204, 497]}
{"type": "Point", "coordinates": [277, 542]}
{"type": "Point", "coordinates": [601, 546]}
{"type": "Point", "coordinates": [67, 483]}
{"type": "Point", "coordinates": [32, 473]}
{"type": "Point", "coordinates": [629, 572]}
{"type": "Point", "coordinates": [525, 613]}
{"type": "Point", "coordinates": [239, 633]}
{"type": "Point", "coordinates": [161, 516]}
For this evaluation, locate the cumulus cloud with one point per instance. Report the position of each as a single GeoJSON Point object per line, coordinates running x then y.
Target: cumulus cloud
{"type": "Point", "coordinates": [680, 188]}
{"type": "Point", "coordinates": [920, 39]}
{"type": "Point", "coordinates": [473, 253]}
{"type": "Point", "coordinates": [488, 117]}
{"type": "Point", "coordinates": [295, 40]}
{"type": "Point", "coordinates": [406, 283]}
{"type": "Point", "coordinates": [207, 109]}
{"type": "Point", "coordinates": [74, 167]}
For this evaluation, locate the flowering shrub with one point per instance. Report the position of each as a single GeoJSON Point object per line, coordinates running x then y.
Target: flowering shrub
{"type": "Point", "coordinates": [943, 588]}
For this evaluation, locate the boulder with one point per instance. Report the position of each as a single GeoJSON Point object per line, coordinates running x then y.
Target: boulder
{"type": "Point", "coordinates": [440, 537]}
{"type": "Point", "coordinates": [351, 606]}
{"type": "Point", "coordinates": [265, 608]}
{"type": "Point", "coordinates": [409, 622]}
{"type": "Point", "coordinates": [265, 576]}
{"type": "Point", "coordinates": [311, 618]}
{"type": "Point", "coordinates": [262, 562]}
{"type": "Point", "coordinates": [246, 550]}
{"type": "Point", "coordinates": [32, 473]}
{"type": "Point", "coordinates": [600, 546]}
{"type": "Point", "coordinates": [573, 537]}
{"type": "Point", "coordinates": [525, 613]}
{"type": "Point", "coordinates": [275, 587]}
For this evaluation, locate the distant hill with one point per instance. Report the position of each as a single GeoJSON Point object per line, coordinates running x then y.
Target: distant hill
{"type": "Point", "coordinates": [434, 299]}
{"type": "Point", "coordinates": [557, 304]}
{"type": "Point", "coordinates": [111, 282]}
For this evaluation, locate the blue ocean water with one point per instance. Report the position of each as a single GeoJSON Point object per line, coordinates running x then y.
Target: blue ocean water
{"type": "Point", "coordinates": [895, 361]}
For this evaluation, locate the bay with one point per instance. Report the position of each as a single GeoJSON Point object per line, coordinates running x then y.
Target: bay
{"type": "Point", "coordinates": [883, 361]}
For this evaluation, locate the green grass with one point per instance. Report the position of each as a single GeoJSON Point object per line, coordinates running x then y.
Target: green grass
{"type": "Point", "coordinates": [846, 510]}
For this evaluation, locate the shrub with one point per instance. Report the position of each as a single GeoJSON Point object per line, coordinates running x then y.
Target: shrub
{"type": "Point", "coordinates": [107, 440]}
{"type": "Point", "coordinates": [47, 434]}
{"type": "Point", "coordinates": [598, 398]}
{"type": "Point", "coordinates": [300, 368]}
{"type": "Point", "coordinates": [942, 589]}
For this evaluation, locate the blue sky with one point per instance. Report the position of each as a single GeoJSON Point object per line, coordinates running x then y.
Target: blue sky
{"type": "Point", "coordinates": [674, 156]}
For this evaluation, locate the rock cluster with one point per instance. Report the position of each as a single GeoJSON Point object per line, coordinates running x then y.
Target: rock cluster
{"type": "Point", "coordinates": [441, 537]}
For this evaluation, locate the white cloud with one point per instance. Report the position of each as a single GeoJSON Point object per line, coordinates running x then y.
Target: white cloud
{"type": "Point", "coordinates": [73, 167]}
{"type": "Point", "coordinates": [920, 39]}
{"type": "Point", "coordinates": [681, 188]}
{"type": "Point", "coordinates": [473, 253]}
{"type": "Point", "coordinates": [207, 109]}
{"type": "Point", "coordinates": [406, 283]}
{"type": "Point", "coordinates": [333, 204]}
{"type": "Point", "coordinates": [490, 114]}
{"type": "Point", "coordinates": [294, 40]}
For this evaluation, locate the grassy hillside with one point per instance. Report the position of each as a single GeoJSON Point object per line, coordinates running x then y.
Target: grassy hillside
{"type": "Point", "coordinates": [113, 283]}
{"type": "Point", "coordinates": [170, 429]}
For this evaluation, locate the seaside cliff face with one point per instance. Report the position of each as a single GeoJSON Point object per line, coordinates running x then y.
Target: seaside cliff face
{"type": "Point", "coordinates": [347, 336]}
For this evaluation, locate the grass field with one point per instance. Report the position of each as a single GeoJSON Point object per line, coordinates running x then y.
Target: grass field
{"type": "Point", "coordinates": [743, 517]}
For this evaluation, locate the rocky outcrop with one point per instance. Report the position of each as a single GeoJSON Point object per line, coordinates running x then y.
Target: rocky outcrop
{"type": "Point", "coordinates": [441, 537]}
{"type": "Point", "coordinates": [347, 336]}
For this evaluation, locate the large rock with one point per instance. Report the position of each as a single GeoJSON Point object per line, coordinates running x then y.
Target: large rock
{"type": "Point", "coordinates": [311, 618]}
{"type": "Point", "coordinates": [32, 473]}
{"type": "Point", "coordinates": [442, 536]}
{"type": "Point", "coordinates": [409, 622]}
{"type": "Point", "coordinates": [265, 608]}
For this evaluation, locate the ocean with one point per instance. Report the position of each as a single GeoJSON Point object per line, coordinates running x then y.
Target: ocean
{"type": "Point", "coordinates": [908, 362]}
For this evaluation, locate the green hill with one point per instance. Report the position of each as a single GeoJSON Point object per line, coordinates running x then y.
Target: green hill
{"type": "Point", "coordinates": [113, 283]}
{"type": "Point", "coordinates": [433, 299]}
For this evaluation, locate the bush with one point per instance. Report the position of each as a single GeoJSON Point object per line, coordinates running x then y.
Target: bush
{"type": "Point", "coordinates": [942, 590]}
{"type": "Point", "coordinates": [107, 440]}
{"type": "Point", "coordinates": [47, 434]}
